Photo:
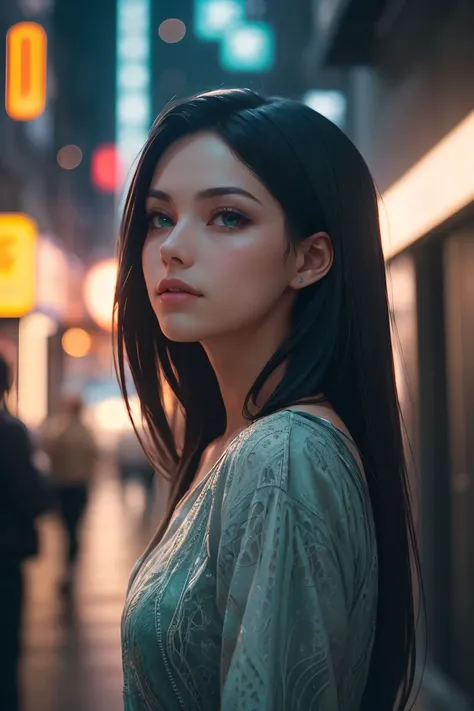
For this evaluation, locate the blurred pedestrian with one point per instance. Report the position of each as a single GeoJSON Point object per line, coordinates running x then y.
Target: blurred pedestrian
{"type": "Point", "coordinates": [24, 496]}
{"type": "Point", "coordinates": [73, 453]}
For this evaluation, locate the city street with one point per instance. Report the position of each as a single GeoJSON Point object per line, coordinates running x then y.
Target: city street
{"type": "Point", "coordinates": [72, 659]}
{"type": "Point", "coordinates": [351, 123]}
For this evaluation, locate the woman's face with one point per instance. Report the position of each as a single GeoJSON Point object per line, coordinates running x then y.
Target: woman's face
{"type": "Point", "coordinates": [213, 226]}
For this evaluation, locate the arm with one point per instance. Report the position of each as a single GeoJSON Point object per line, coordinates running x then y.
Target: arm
{"type": "Point", "coordinates": [282, 595]}
{"type": "Point", "coordinates": [296, 574]}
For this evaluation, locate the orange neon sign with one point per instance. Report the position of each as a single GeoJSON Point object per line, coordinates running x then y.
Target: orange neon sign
{"type": "Point", "coordinates": [26, 69]}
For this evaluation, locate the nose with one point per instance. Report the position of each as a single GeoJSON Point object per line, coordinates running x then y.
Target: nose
{"type": "Point", "coordinates": [177, 247]}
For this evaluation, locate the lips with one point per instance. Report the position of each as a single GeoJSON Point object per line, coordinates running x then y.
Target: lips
{"type": "Point", "coordinates": [176, 286]}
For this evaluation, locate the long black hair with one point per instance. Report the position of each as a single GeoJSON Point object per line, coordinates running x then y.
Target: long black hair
{"type": "Point", "coordinates": [339, 344]}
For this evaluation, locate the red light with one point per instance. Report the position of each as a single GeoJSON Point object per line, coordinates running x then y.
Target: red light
{"type": "Point", "coordinates": [105, 168]}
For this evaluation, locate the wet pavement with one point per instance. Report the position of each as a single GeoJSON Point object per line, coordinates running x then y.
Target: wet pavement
{"type": "Point", "coordinates": [72, 657]}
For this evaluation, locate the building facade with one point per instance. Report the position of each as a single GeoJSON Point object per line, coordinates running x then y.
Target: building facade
{"type": "Point", "coordinates": [410, 66]}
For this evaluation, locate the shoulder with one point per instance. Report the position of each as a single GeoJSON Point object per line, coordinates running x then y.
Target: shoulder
{"type": "Point", "coordinates": [297, 472]}
{"type": "Point", "coordinates": [15, 440]}
{"type": "Point", "coordinates": [304, 466]}
{"type": "Point", "coordinates": [12, 427]}
{"type": "Point", "coordinates": [290, 451]}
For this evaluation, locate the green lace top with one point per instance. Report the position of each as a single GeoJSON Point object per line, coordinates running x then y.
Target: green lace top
{"type": "Point", "coordinates": [262, 594]}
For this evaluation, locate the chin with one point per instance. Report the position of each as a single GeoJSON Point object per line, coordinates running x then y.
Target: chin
{"type": "Point", "coordinates": [180, 329]}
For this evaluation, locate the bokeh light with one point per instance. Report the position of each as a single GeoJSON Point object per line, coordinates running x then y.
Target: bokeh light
{"type": "Point", "coordinates": [212, 18]}
{"type": "Point", "coordinates": [26, 71]}
{"type": "Point", "coordinates": [106, 171]}
{"type": "Point", "coordinates": [331, 104]}
{"type": "Point", "coordinates": [99, 288]}
{"type": "Point", "coordinates": [76, 342]}
{"type": "Point", "coordinates": [69, 157]}
{"type": "Point", "coordinates": [172, 30]}
{"type": "Point", "coordinates": [248, 47]}
{"type": "Point", "coordinates": [111, 414]}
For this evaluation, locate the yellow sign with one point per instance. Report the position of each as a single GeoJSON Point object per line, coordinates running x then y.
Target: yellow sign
{"type": "Point", "coordinates": [26, 69]}
{"type": "Point", "coordinates": [17, 264]}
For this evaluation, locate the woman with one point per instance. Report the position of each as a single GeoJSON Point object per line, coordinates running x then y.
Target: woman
{"type": "Point", "coordinates": [252, 282]}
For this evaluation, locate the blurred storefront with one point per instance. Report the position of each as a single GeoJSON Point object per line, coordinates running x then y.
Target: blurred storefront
{"type": "Point", "coordinates": [29, 265]}
{"type": "Point", "coordinates": [28, 334]}
{"type": "Point", "coordinates": [411, 66]}
{"type": "Point", "coordinates": [60, 277]}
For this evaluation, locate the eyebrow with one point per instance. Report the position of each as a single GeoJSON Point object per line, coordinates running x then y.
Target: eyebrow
{"type": "Point", "coordinates": [206, 194]}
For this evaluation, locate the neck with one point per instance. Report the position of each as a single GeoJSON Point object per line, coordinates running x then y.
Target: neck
{"type": "Point", "coordinates": [237, 360]}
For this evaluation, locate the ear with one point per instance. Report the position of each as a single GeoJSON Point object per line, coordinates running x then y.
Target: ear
{"type": "Point", "coordinates": [314, 259]}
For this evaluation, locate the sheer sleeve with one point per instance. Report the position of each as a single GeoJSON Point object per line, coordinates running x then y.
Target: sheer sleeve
{"type": "Point", "coordinates": [285, 586]}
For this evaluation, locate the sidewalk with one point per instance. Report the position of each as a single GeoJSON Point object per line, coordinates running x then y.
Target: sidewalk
{"type": "Point", "coordinates": [72, 658]}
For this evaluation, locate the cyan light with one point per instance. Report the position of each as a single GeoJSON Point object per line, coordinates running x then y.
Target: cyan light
{"type": "Point", "coordinates": [214, 17]}
{"type": "Point", "coordinates": [248, 47]}
{"type": "Point", "coordinates": [133, 84]}
{"type": "Point", "coordinates": [331, 104]}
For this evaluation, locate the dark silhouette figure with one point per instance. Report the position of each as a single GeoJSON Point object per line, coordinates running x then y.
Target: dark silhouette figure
{"type": "Point", "coordinates": [24, 496]}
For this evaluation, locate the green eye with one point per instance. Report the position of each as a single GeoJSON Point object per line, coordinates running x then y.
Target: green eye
{"type": "Point", "coordinates": [230, 219]}
{"type": "Point", "coordinates": [159, 221]}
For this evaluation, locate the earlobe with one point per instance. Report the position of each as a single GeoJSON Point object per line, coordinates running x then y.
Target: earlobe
{"type": "Point", "coordinates": [317, 258]}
